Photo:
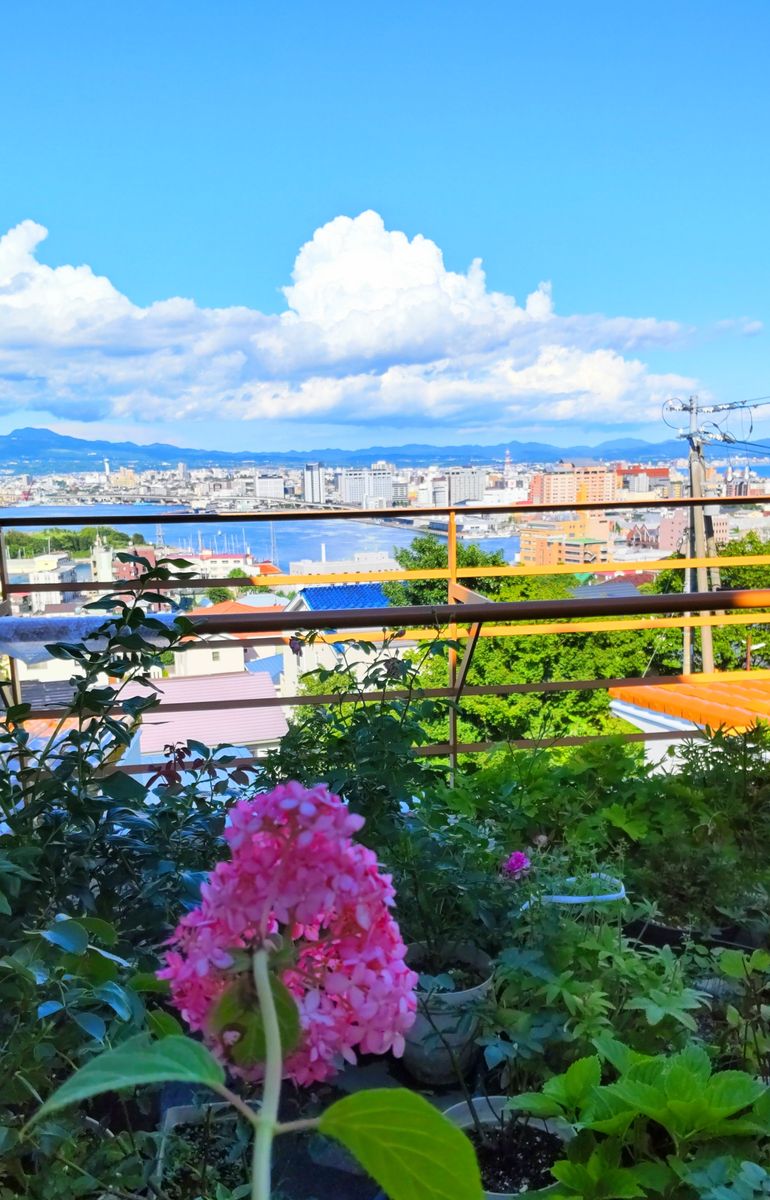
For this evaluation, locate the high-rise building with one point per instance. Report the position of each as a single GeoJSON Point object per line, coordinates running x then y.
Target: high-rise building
{"type": "Point", "coordinates": [314, 484]}
{"type": "Point", "coordinates": [572, 483]}
{"type": "Point", "coordinates": [465, 484]}
{"type": "Point", "coordinates": [370, 487]}
{"type": "Point", "coordinates": [268, 487]}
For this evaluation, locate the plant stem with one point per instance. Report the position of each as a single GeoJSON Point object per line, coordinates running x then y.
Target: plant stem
{"type": "Point", "coordinates": [301, 1126]}
{"type": "Point", "coordinates": [271, 1095]}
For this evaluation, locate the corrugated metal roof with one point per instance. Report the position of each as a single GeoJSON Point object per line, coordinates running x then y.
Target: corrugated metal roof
{"type": "Point", "coordinates": [232, 725]}
{"type": "Point", "coordinates": [344, 595]}
{"type": "Point", "coordinates": [734, 706]}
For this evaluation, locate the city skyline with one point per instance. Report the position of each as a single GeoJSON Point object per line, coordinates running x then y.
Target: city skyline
{"type": "Point", "coordinates": [519, 241]}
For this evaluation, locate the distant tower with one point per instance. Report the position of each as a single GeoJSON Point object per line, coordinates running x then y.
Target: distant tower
{"type": "Point", "coordinates": [508, 467]}
{"type": "Point", "coordinates": [107, 468]}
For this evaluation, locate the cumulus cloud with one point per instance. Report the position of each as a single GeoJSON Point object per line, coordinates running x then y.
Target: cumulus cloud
{"type": "Point", "coordinates": [375, 329]}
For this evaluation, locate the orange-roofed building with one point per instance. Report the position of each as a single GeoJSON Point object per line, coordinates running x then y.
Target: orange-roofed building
{"type": "Point", "coordinates": [686, 705]}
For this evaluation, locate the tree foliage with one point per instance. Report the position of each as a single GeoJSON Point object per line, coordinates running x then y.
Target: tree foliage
{"type": "Point", "coordinates": [78, 542]}
{"type": "Point", "coordinates": [218, 595]}
{"type": "Point", "coordinates": [427, 552]}
{"type": "Point", "coordinates": [730, 642]}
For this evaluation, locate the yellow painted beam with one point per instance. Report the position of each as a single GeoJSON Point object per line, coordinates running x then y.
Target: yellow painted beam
{"type": "Point", "coordinates": [511, 571]}
{"type": "Point", "coordinates": [544, 628]}
{"type": "Point", "coordinates": [608, 568]}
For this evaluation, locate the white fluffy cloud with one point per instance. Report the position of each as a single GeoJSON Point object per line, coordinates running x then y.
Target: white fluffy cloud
{"type": "Point", "coordinates": [376, 330]}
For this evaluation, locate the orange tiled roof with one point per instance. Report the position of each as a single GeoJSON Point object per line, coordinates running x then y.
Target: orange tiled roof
{"type": "Point", "coordinates": [228, 608]}
{"type": "Point", "coordinates": [733, 705]}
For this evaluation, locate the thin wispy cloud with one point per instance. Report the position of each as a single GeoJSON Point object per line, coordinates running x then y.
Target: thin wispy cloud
{"type": "Point", "coordinates": [375, 329]}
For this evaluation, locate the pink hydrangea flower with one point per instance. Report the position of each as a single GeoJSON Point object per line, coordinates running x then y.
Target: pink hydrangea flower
{"type": "Point", "coordinates": [517, 864]}
{"type": "Point", "coordinates": [295, 870]}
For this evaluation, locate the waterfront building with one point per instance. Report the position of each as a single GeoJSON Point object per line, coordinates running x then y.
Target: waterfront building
{"type": "Point", "coordinates": [361, 562]}
{"type": "Point", "coordinates": [268, 487]}
{"type": "Point", "coordinates": [369, 487]}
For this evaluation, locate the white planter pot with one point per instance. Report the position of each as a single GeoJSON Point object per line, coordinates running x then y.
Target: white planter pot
{"type": "Point", "coordinates": [447, 1022]}
{"type": "Point", "coordinates": [614, 889]}
{"type": "Point", "coordinates": [490, 1110]}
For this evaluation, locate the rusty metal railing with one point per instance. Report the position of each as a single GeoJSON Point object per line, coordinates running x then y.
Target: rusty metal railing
{"type": "Point", "coordinates": [467, 615]}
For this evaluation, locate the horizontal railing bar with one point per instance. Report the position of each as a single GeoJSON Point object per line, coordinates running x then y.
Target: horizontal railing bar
{"type": "Point", "coordinates": [362, 514]}
{"type": "Point", "coordinates": [196, 582]}
{"type": "Point", "coordinates": [510, 571]}
{"type": "Point", "coordinates": [541, 629]}
{"type": "Point", "coordinates": [626, 566]}
{"type": "Point", "coordinates": [436, 693]}
{"type": "Point", "coordinates": [440, 615]}
{"type": "Point", "coordinates": [441, 749]}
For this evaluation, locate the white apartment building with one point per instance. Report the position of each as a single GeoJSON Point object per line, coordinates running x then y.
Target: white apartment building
{"type": "Point", "coordinates": [361, 562]}
{"type": "Point", "coordinates": [268, 487]}
{"type": "Point", "coordinates": [56, 567]}
{"type": "Point", "coordinates": [465, 484]}
{"type": "Point", "coordinates": [369, 487]}
{"type": "Point", "coordinates": [314, 484]}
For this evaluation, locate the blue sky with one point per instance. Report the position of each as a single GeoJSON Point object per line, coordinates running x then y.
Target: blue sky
{"type": "Point", "coordinates": [190, 150]}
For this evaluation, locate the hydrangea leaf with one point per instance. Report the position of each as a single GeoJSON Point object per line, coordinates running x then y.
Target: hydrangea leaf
{"type": "Point", "coordinates": [135, 1062]}
{"type": "Point", "coordinates": [407, 1146]}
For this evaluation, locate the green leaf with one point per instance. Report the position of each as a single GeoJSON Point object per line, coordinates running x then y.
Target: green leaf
{"type": "Point", "coordinates": [8, 1138]}
{"type": "Point", "coordinates": [407, 1146]}
{"type": "Point", "coordinates": [123, 788]}
{"type": "Point", "coordinates": [135, 1062]}
{"type": "Point", "coordinates": [91, 1023]}
{"type": "Point", "coordinates": [620, 1056]}
{"type": "Point", "coordinates": [116, 997]}
{"type": "Point", "coordinates": [730, 1091]}
{"type": "Point", "coordinates": [654, 1176]}
{"type": "Point", "coordinates": [733, 964]}
{"type": "Point", "coordinates": [163, 1024]}
{"type": "Point", "coordinates": [5, 908]}
{"type": "Point", "coordinates": [536, 1104]}
{"type": "Point", "coordinates": [147, 981]}
{"type": "Point", "coordinates": [48, 1008]}
{"type": "Point", "coordinates": [68, 935]}
{"type": "Point", "coordinates": [237, 1011]}
{"type": "Point", "coordinates": [581, 1078]}
{"type": "Point", "coordinates": [101, 929]}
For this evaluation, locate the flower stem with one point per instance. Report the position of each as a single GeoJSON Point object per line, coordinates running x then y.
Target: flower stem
{"type": "Point", "coordinates": [271, 1095]}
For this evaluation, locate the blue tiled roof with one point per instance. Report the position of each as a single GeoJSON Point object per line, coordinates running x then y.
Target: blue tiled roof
{"type": "Point", "coordinates": [271, 664]}
{"type": "Point", "coordinates": [344, 595]}
{"type": "Point", "coordinates": [606, 591]}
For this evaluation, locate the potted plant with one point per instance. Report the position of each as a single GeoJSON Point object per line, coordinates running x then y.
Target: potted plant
{"type": "Point", "coordinates": [454, 902]}
{"type": "Point", "coordinates": [515, 1154]}
{"type": "Point", "coordinates": [661, 1119]}
{"type": "Point", "coordinates": [442, 1041]}
{"type": "Point", "coordinates": [291, 963]}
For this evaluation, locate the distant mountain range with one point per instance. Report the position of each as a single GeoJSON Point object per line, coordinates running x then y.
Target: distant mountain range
{"type": "Point", "coordinates": [40, 451]}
